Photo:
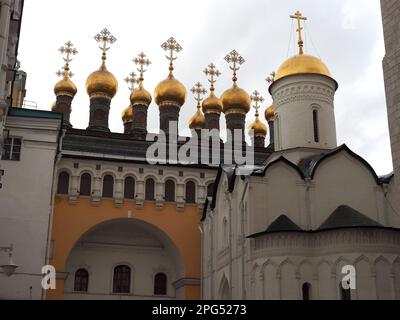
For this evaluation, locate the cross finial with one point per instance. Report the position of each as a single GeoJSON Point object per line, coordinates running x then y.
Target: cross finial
{"type": "Point", "coordinates": [198, 91]}
{"type": "Point", "coordinates": [271, 77]}
{"type": "Point", "coordinates": [67, 52]}
{"type": "Point", "coordinates": [106, 38]}
{"type": "Point", "coordinates": [212, 72]}
{"type": "Point", "coordinates": [298, 16]}
{"type": "Point", "coordinates": [142, 61]}
{"type": "Point", "coordinates": [172, 46]}
{"type": "Point", "coordinates": [235, 61]}
{"type": "Point", "coordinates": [131, 80]}
{"type": "Point", "coordinates": [257, 99]}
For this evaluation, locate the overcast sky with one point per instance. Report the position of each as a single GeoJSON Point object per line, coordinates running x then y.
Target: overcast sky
{"type": "Point", "coordinates": [345, 34]}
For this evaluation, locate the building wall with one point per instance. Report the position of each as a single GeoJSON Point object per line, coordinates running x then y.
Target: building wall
{"type": "Point", "coordinates": [25, 202]}
{"type": "Point", "coordinates": [391, 68]}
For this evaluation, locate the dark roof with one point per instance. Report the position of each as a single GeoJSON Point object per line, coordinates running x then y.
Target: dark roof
{"type": "Point", "coordinates": [29, 113]}
{"type": "Point", "coordinates": [347, 217]}
{"type": "Point", "coordinates": [282, 224]}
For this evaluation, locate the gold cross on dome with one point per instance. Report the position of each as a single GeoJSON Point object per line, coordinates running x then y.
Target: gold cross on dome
{"type": "Point", "coordinates": [67, 52]}
{"type": "Point", "coordinates": [131, 80]}
{"type": "Point", "coordinates": [105, 37]}
{"type": "Point", "coordinates": [172, 46]}
{"type": "Point", "coordinates": [235, 61]}
{"type": "Point", "coordinates": [142, 61]}
{"type": "Point", "coordinates": [213, 73]}
{"type": "Point", "coordinates": [257, 99]}
{"type": "Point", "coordinates": [198, 91]}
{"type": "Point", "coordinates": [271, 77]}
{"type": "Point", "coordinates": [298, 16]}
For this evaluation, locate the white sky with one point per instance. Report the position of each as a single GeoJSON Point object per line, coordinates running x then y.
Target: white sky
{"type": "Point", "coordinates": [346, 34]}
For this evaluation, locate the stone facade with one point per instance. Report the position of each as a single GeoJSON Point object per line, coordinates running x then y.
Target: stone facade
{"type": "Point", "coordinates": [391, 68]}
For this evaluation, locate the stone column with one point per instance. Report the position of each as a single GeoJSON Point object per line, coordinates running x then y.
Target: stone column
{"type": "Point", "coordinates": [119, 192]}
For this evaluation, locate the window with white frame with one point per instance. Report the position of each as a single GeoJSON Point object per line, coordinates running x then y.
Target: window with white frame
{"type": "Point", "coordinates": [12, 149]}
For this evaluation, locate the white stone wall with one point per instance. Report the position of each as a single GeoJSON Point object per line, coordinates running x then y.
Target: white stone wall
{"type": "Point", "coordinates": [25, 205]}
{"type": "Point", "coordinates": [295, 98]}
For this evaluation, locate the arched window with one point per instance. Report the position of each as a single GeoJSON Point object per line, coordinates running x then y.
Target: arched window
{"type": "Point", "coordinates": [86, 185]}
{"type": "Point", "coordinates": [190, 194]}
{"type": "Point", "coordinates": [108, 186]}
{"type": "Point", "coordinates": [315, 126]}
{"type": "Point", "coordinates": [149, 196]}
{"type": "Point", "coordinates": [345, 294]}
{"type": "Point", "coordinates": [122, 279]}
{"type": "Point", "coordinates": [81, 280]}
{"type": "Point", "coordinates": [210, 190]}
{"type": "Point", "coordinates": [160, 284]}
{"type": "Point", "coordinates": [169, 191]}
{"type": "Point", "coordinates": [63, 183]}
{"type": "Point", "coordinates": [129, 188]}
{"type": "Point", "coordinates": [306, 289]}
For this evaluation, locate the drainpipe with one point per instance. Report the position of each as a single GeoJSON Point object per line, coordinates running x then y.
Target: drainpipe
{"type": "Point", "coordinates": [212, 253]}
{"type": "Point", "coordinates": [243, 240]}
{"type": "Point", "coordinates": [201, 260]}
{"type": "Point", "coordinates": [229, 198]}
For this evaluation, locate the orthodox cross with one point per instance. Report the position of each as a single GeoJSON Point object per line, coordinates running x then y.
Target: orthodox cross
{"type": "Point", "coordinates": [67, 52]}
{"type": "Point", "coordinates": [106, 38]}
{"type": "Point", "coordinates": [235, 61]}
{"type": "Point", "coordinates": [212, 72]}
{"type": "Point", "coordinates": [198, 91]}
{"type": "Point", "coordinates": [131, 80]}
{"type": "Point", "coordinates": [298, 16]}
{"type": "Point", "coordinates": [257, 99]}
{"type": "Point", "coordinates": [142, 61]}
{"type": "Point", "coordinates": [172, 46]}
{"type": "Point", "coordinates": [271, 77]}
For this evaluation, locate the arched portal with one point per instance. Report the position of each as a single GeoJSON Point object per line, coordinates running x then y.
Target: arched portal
{"type": "Point", "coordinates": [138, 246]}
{"type": "Point", "coordinates": [224, 289]}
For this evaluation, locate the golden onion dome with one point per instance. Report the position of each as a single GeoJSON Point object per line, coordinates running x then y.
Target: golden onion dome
{"type": "Point", "coordinates": [65, 87]}
{"type": "Point", "coordinates": [170, 90]}
{"type": "Point", "coordinates": [140, 96]}
{"type": "Point", "coordinates": [212, 104]}
{"type": "Point", "coordinates": [270, 114]}
{"type": "Point", "coordinates": [102, 83]}
{"type": "Point", "coordinates": [198, 121]}
{"type": "Point", "coordinates": [259, 128]}
{"type": "Point", "coordinates": [302, 64]}
{"type": "Point", "coordinates": [236, 100]}
{"type": "Point", "coordinates": [127, 115]}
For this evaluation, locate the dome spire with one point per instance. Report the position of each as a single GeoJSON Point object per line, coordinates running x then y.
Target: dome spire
{"type": "Point", "coordinates": [197, 122]}
{"type": "Point", "coordinates": [235, 61]}
{"type": "Point", "coordinates": [212, 106]}
{"type": "Point", "coordinates": [298, 16]}
{"type": "Point", "coordinates": [67, 51]}
{"type": "Point", "coordinates": [212, 72]}
{"type": "Point", "coordinates": [257, 99]}
{"type": "Point", "coordinates": [131, 80]}
{"type": "Point", "coordinates": [258, 130]}
{"type": "Point", "coordinates": [172, 46]}
{"type": "Point", "coordinates": [105, 37]}
{"type": "Point", "coordinates": [141, 60]}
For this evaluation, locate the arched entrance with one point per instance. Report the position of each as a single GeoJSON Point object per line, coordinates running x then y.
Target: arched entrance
{"type": "Point", "coordinates": [122, 258]}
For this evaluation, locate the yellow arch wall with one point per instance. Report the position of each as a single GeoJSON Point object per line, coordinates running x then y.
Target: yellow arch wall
{"type": "Point", "coordinates": [71, 221]}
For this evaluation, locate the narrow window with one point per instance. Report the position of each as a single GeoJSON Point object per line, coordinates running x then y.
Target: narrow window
{"type": "Point", "coordinates": [12, 149]}
{"type": "Point", "coordinates": [210, 190]}
{"type": "Point", "coordinates": [149, 196]}
{"type": "Point", "coordinates": [108, 186]}
{"type": "Point", "coordinates": [170, 191]}
{"type": "Point", "coordinates": [306, 291]}
{"type": "Point", "coordinates": [129, 188]}
{"type": "Point", "coordinates": [190, 194]}
{"type": "Point", "coordinates": [122, 279]}
{"type": "Point", "coordinates": [86, 185]}
{"type": "Point", "coordinates": [63, 183]}
{"type": "Point", "coordinates": [81, 280]}
{"type": "Point", "coordinates": [315, 125]}
{"type": "Point", "coordinates": [160, 284]}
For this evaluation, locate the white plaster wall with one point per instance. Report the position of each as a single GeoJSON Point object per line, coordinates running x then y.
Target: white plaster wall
{"type": "Point", "coordinates": [25, 205]}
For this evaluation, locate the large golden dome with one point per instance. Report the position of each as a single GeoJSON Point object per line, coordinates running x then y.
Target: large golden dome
{"type": "Point", "coordinates": [65, 87]}
{"type": "Point", "coordinates": [236, 100]}
{"type": "Point", "coordinates": [259, 128]}
{"type": "Point", "coordinates": [140, 95]}
{"type": "Point", "coordinates": [127, 115]}
{"type": "Point", "coordinates": [302, 64]}
{"type": "Point", "coordinates": [170, 90]}
{"type": "Point", "coordinates": [102, 83]}
{"type": "Point", "coordinates": [198, 121]}
{"type": "Point", "coordinates": [212, 104]}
